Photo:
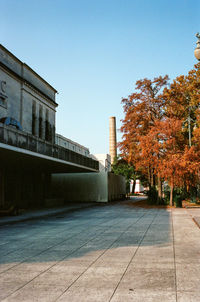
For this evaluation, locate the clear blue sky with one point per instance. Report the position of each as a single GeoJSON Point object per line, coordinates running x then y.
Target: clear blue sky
{"type": "Point", "coordinates": [93, 52]}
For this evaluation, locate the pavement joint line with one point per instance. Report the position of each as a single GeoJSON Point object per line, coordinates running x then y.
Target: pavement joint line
{"type": "Point", "coordinates": [37, 254]}
{"type": "Point", "coordinates": [173, 238]}
{"type": "Point", "coordinates": [193, 218]}
{"type": "Point", "coordinates": [53, 264]}
{"type": "Point", "coordinates": [97, 258]}
{"type": "Point", "coordinates": [195, 222]}
{"type": "Point", "coordinates": [133, 256]}
{"type": "Point", "coordinates": [33, 242]}
{"type": "Point", "coordinates": [47, 248]}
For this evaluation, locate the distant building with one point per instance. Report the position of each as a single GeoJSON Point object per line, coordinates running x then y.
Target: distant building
{"type": "Point", "coordinates": [138, 186]}
{"type": "Point", "coordinates": [104, 161]}
{"type": "Point", "coordinates": [71, 145]}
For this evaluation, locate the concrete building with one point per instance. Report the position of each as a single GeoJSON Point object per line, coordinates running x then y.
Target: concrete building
{"type": "Point", "coordinates": [28, 152]}
{"type": "Point", "coordinates": [26, 98]}
{"type": "Point", "coordinates": [32, 155]}
{"type": "Point", "coordinates": [71, 145]}
{"type": "Point", "coordinates": [104, 161]}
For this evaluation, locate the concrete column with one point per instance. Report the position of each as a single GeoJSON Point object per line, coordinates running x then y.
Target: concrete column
{"type": "Point", "coordinates": [112, 138]}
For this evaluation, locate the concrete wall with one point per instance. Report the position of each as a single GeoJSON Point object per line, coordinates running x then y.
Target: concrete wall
{"type": "Point", "coordinates": [116, 185]}
{"type": "Point", "coordinates": [88, 187]}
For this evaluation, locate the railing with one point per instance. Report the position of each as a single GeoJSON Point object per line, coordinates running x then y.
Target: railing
{"type": "Point", "coordinates": [14, 137]}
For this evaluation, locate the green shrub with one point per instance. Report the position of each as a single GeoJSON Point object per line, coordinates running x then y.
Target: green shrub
{"type": "Point", "coordinates": [178, 200]}
{"type": "Point", "coordinates": [152, 196]}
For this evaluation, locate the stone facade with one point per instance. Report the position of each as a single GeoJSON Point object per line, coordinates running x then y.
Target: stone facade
{"type": "Point", "coordinates": [26, 97]}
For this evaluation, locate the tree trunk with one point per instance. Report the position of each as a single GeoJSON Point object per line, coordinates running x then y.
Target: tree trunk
{"type": "Point", "coordinates": [133, 188]}
{"type": "Point", "coordinates": [171, 193]}
{"type": "Point", "coordinates": [149, 177]}
{"type": "Point", "coordinates": [159, 187]}
{"type": "Point", "coordinates": [152, 178]}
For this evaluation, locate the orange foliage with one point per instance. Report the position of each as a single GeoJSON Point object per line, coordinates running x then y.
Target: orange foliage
{"type": "Point", "coordinates": [161, 128]}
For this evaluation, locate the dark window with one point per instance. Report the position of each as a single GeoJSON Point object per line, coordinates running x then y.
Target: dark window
{"type": "Point", "coordinates": [40, 122]}
{"type": "Point", "coordinates": [34, 118]}
{"type": "Point", "coordinates": [3, 102]}
{"type": "Point", "coordinates": [47, 126]}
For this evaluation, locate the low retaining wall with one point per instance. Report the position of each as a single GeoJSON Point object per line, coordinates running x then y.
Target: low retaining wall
{"type": "Point", "coordinates": [88, 187]}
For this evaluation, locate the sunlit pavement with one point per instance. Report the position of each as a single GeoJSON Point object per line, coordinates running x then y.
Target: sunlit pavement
{"type": "Point", "coordinates": [108, 253]}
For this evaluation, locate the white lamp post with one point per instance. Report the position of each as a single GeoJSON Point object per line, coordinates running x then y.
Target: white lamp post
{"type": "Point", "coordinates": [197, 49]}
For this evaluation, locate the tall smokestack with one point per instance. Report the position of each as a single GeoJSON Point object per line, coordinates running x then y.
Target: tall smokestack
{"type": "Point", "coordinates": [112, 138]}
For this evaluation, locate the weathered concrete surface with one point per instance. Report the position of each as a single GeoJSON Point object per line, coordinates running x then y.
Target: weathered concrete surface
{"type": "Point", "coordinates": [88, 187]}
{"type": "Point", "coordinates": [107, 253]}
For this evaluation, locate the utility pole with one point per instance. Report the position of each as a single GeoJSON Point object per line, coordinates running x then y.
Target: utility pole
{"type": "Point", "coordinates": [189, 128]}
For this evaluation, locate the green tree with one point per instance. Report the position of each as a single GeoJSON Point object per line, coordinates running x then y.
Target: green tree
{"type": "Point", "coordinates": [122, 167]}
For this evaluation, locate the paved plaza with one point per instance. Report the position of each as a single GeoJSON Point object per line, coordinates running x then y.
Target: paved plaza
{"type": "Point", "coordinates": [116, 253]}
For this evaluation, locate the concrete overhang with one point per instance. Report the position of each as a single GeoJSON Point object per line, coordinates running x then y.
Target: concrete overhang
{"type": "Point", "coordinates": [17, 158]}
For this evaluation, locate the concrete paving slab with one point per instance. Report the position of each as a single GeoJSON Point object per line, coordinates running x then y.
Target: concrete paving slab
{"type": "Point", "coordinates": [21, 276]}
{"type": "Point", "coordinates": [55, 279]}
{"type": "Point", "coordinates": [188, 276]}
{"type": "Point", "coordinates": [6, 266]}
{"type": "Point", "coordinates": [130, 295]}
{"type": "Point", "coordinates": [7, 288]}
{"type": "Point", "coordinates": [149, 279]}
{"type": "Point", "coordinates": [27, 215]}
{"type": "Point", "coordinates": [185, 296]}
{"type": "Point", "coordinates": [127, 254]}
{"type": "Point", "coordinates": [35, 293]}
{"type": "Point", "coordinates": [33, 266]}
{"type": "Point", "coordinates": [153, 263]}
{"type": "Point", "coordinates": [86, 294]}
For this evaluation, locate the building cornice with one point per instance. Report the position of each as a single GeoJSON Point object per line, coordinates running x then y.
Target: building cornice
{"type": "Point", "coordinates": [27, 83]}
{"type": "Point", "coordinates": [27, 66]}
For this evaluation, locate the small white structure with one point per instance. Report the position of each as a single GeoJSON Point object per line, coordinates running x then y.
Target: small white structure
{"type": "Point", "coordinates": [138, 186]}
{"type": "Point", "coordinates": [104, 161]}
{"type": "Point", "coordinates": [71, 145]}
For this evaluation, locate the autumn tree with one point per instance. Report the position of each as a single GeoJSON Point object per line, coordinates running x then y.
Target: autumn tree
{"type": "Point", "coordinates": [142, 109]}
{"type": "Point", "coordinates": [183, 103]}
{"type": "Point", "coordinates": [161, 130]}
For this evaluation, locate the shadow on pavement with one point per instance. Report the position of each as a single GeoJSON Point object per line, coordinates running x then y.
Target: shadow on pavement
{"type": "Point", "coordinates": [84, 234]}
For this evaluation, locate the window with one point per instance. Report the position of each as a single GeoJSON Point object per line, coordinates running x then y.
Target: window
{"type": "Point", "coordinates": [40, 121]}
{"type": "Point", "coordinates": [3, 95]}
{"type": "Point", "coordinates": [3, 101]}
{"type": "Point", "coordinates": [34, 118]}
{"type": "Point", "coordinates": [47, 126]}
